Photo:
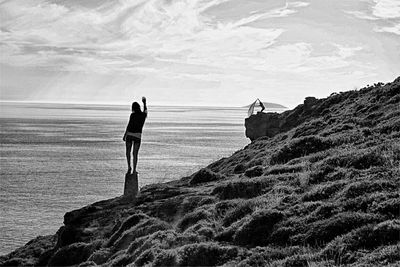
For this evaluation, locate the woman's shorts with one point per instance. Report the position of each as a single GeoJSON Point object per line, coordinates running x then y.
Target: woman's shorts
{"type": "Point", "coordinates": [133, 139]}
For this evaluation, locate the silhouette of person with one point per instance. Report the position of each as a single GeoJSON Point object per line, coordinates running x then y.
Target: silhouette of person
{"type": "Point", "coordinates": [133, 133]}
{"type": "Point", "coordinates": [261, 105]}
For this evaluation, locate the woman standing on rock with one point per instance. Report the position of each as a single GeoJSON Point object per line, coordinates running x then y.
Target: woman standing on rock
{"type": "Point", "coordinates": [133, 133]}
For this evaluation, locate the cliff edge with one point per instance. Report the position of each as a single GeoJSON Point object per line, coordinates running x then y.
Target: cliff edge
{"type": "Point", "coordinates": [271, 123]}
{"type": "Point", "coordinates": [320, 190]}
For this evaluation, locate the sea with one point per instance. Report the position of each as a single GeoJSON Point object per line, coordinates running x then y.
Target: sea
{"type": "Point", "coordinates": [59, 157]}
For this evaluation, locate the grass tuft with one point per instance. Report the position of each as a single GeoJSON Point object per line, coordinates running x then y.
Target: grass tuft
{"type": "Point", "coordinates": [257, 228]}
{"type": "Point", "coordinates": [300, 147]}
{"type": "Point", "coordinates": [205, 176]}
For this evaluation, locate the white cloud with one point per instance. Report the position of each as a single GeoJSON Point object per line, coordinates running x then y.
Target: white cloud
{"type": "Point", "coordinates": [288, 9]}
{"type": "Point", "coordinates": [346, 51]}
{"type": "Point", "coordinates": [389, 29]}
{"type": "Point", "coordinates": [382, 12]}
{"type": "Point", "coordinates": [151, 30]}
{"type": "Point", "coordinates": [229, 45]}
{"type": "Point", "coordinates": [386, 9]}
{"type": "Point", "coordinates": [300, 58]}
{"type": "Point", "coordinates": [361, 15]}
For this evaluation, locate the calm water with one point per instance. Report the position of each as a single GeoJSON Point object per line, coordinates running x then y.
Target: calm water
{"type": "Point", "coordinates": [58, 157]}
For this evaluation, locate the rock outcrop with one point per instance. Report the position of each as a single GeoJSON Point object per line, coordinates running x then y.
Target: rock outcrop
{"type": "Point", "coordinates": [322, 190]}
{"type": "Point", "coordinates": [131, 186]}
{"type": "Point", "coordinates": [262, 124]}
{"type": "Point", "coordinates": [272, 123]}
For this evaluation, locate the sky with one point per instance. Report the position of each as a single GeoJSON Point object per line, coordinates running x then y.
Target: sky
{"type": "Point", "coordinates": [195, 52]}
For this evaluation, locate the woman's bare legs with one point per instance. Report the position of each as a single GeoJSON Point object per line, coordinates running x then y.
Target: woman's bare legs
{"type": "Point", "coordinates": [136, 146]}
{"type": "Point", "coordinates": [128, 154]}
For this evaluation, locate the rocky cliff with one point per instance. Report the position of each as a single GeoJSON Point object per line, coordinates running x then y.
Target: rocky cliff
{"type": "Point", "coordinates": [321, 191]}
{"type": "Point", "coordinates": [271, 123]}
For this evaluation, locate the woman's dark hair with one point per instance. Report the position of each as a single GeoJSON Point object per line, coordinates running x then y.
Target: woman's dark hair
{"type": "Point", "coordinates": [136, 107]}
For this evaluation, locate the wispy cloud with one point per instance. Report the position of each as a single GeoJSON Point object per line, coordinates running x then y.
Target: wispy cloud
{"type": "Point", "coordinates": [386, 13]}
{"type": "Point", "coordinates": [391, 29]}
{"type": "Point", "coordinates": [202, 44]}
{"type": "Point", "coordinates": [361, 15]}
{"type": "Point", "coordinates": [129, 33]}
{"type": "Point", "coordinates": [386, 9]}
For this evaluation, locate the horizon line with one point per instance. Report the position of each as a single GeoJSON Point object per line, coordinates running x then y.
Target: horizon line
{"type": "Point", "coordinates": [120, 104]}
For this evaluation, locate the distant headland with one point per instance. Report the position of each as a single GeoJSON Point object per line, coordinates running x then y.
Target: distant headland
{"type": "Point", "coordinates": [269, 105]}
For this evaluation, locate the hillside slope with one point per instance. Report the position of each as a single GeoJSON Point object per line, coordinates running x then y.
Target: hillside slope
{"type": "Point", "coordinates": [321, 193]}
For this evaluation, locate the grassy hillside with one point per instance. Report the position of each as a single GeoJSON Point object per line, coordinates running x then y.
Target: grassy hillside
{"type": "Point", "coordinates": [322, 193]}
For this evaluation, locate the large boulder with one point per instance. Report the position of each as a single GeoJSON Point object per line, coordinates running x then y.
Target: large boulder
{"type": "Point", "coordinates": [262, 124]}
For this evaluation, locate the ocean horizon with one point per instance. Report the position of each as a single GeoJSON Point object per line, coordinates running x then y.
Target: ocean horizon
{"type": "Point", "coordinates": [59, 157]}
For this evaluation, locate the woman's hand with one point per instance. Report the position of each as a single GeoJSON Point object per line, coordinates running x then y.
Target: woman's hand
{"type": "Point", "coordinates": [144, 99]}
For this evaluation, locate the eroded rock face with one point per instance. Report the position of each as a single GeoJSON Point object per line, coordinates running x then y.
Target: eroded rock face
{"type": "Point", "coordinates": [272, 123]}
{"type": "Point", "coordinates": [262, 124]}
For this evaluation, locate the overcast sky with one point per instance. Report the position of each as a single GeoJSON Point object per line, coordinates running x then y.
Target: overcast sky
{"type": "Point", "coordinates": [195, 52]}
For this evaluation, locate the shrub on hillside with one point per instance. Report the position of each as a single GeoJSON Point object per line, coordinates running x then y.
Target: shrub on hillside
{"type": "Point", "coordinates": [295, 261]}
{"type": "Point", "coordinates": [204, 230]}
{"type": "Point", "coordinates": [205, 176]}
{"type": "Point", "coordinates": [145, 227]}
{"type": "Point", "coordinates": [303, 208]}
{"type": "Point", "coordinates": [127, 224]}
{"type": "Point", "coordinates": [192, 202]}
{"type": "Point", "coordinates": [356, 159]}
{"type": "Point", "coordinates": [100, 256]}
{"type": "Point", "coordinates": [160, 240]}
{"type": "Point", "coordinates": [309, 128]}
{"type": "Point", "coordinates": [206, 254]}
{"type": "Point", "coordinates": [323, 231]}
{"type": "Point", "coordinates": [256, 230]}
{"type": "Point", "coordinates": [389, 126]}
{"type": "Point", "coordinates": [371, 201]}
{"type": "Point", "coordinates": [120, 259]}
{"type": "Point", "coordinates": [389, 255]}
{"type": "Point", "coordinates": [363, 187]}
{"type": "Point", "coordinates": [238, 213]}
{"type": "Point", "coordinates": [241, 189]}
{"type": "Point", "coordinates": [281, 235]}
{"type": "Point", "coordinates": [144, 259]}
{"type": "Point", "coordinates": [263, 256]}
{"type": "Point", "coordinates": [330, 174]}
{"type": "Point", "coordinates": [87, 264]}
{"type": "Point", "coordinates": [324, 211]}
{"type": "Point", "coordinates": [298, 148]}
{"type": "Point", "coordinates": [342, 248]}
{"type": "Point", "coordinates": [342, 127]}
{"type": "Point", "coordinates": [283, 189]}
{"type": "Point", "coordinates": [222, 207]}
{"type": "Point", "coordinates": [73, 254]}
{"type": "Point", "coordinates": [323, 191]}
{"type": "Point", "coordinates": [226, 235]}
{"type": "Point", "coordinates": [254, 171]}
{"type": "Point", "coordinates": [219, 164]}
{"type": "Point", "coordinates": [166, 258]}
{"type": "Point", "coordinates": [353, 137]}
{"type": "Point", "coordinates": [17, 261]}
{"type": "Point", "coordinates": [239, 168]}
{"type": "Point", "coordinates": [280, 169]}
{"type": "Point", "coordinates": [258, 160]}
{"type": "Point", "coordinates": [193, 217]}
{"type": "Point", "coordinates": [320, 174]}
{"type": "Point", "coordinates": [389, 207]}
